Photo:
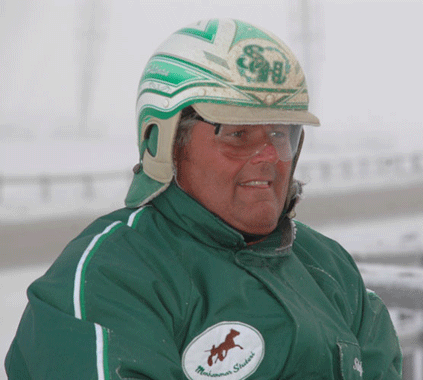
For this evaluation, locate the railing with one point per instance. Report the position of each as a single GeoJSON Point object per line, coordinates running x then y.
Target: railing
{"type": "Point", "coordinates": [44, 184]}
{"type": "Point", "coordinates": [350, 172]}
{"type": "Point", "coordinates": [357, 171]}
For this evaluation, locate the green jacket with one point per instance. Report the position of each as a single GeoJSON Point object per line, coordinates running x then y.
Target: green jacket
{"type": "Point", "coordinates": [169, 291]}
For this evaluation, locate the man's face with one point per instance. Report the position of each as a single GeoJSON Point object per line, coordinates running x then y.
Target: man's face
{"type": "Point", "coordinates": [247, 191]}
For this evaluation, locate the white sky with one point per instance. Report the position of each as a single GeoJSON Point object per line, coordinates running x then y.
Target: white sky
{"type": "Point", "coordinates": [366, 63]}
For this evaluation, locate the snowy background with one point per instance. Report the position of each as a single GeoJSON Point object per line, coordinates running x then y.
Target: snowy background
{"type": "Point", "coordinates": [69, 71]}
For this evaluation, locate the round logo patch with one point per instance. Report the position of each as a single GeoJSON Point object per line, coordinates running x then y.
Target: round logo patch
{"type": "Point", "coordinates": [229, 350]}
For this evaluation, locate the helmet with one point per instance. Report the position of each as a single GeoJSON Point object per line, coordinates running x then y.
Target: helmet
{"type": "Point", "coordinates": [230, 72]}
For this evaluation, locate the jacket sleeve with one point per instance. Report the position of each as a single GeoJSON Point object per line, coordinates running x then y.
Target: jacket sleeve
{"type": "Point", "coordinates": [126, 326]}
{"type": "Point", "coordinates": [381, 352]}
{"type": "Point", "coordinates": [50, 344]}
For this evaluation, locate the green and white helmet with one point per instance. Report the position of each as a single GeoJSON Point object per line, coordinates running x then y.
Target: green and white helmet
{"type": "Point", "coordinates": [230, 72]}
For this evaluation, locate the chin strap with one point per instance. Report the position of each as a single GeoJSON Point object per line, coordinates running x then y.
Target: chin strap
{"type": "Point", "coordinates": [295, 198]}
{"type": "Point", "coordinates": [295, 187]}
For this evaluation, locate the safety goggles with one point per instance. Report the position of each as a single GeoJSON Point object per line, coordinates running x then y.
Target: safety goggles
{"type": "Point", "coordinates": [246, 141]}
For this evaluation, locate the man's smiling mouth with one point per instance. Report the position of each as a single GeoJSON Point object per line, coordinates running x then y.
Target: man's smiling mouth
{"type": "Point", "coordinates": [256, 183]}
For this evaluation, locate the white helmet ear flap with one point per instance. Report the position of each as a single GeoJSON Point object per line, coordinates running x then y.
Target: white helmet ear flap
{"type": "Point", "coordinates": [160, 166]}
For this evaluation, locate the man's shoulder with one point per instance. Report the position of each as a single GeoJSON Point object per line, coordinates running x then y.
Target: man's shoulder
{"type": "Point", "coordinates": [317, 250]}
{"type": "Point", "coordinates": [121, 240]}
{"type": "Point", "coordinates": [111, 236]}
{"type": "Point", "coordinates": [332, 268]}
{"type": "Point", "coordinates": [131, 221]}
{"type": "Point", "coordinates": [309, 237]}
{"type": "Point", "coordinates": [127, 217]}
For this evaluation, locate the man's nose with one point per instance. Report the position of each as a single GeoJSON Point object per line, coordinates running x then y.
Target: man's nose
{"type": "Point", "coordinates": [266, 153]}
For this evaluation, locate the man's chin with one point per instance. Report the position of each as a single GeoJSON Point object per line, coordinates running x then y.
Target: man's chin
{"type": "Point", "coordinates": [260, 225]}
{"type": "Point", "coordinates": [259, 218]}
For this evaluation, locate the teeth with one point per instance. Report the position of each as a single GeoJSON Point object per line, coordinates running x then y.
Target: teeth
{"type": "Point", "coordinates": [256, 183]}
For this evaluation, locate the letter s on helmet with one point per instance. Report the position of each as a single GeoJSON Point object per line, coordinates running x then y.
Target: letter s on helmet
{"type": "Point", "coordinates": [230, 72]}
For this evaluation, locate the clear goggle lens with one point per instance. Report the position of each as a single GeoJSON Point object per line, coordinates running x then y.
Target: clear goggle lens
{"type": "Point", "coordinates": [245, 141]}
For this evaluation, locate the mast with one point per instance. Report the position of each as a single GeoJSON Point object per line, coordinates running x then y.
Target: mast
{"type": "Point", "coordinates": [305, 20]}
{"type": "Point", "coordinates": [90, 36]}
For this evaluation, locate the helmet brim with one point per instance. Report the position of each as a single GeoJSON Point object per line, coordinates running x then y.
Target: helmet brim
{"type": "Point", "coordinates": [237, 115]}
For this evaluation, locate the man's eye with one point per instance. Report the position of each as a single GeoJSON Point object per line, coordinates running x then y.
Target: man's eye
{"type": "Point", "coordinates": [278, 134]}
{"type": "Point", "coordinates": [238, 133]}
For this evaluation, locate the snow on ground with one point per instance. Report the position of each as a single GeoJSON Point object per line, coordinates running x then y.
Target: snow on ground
{"type": "Point", "coordinates": [394, 235]}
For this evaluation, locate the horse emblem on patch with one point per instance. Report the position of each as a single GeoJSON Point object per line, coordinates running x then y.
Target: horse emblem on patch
{"type": "Point", "coordinates": [232, 350]}
{"type": "Point", "coordinates": [221, 351]}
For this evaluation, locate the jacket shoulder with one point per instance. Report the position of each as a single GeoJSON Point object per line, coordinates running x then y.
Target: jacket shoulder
{"type": "Point", "coordinates": [333, 269]}
{"type": "Point", "coordinates": [115, 250]}
{"type": "Point", "coordinates": [320, 248]}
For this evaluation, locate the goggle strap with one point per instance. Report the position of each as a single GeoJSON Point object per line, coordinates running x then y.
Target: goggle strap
{"type": "Point", "coordinates": [217, 126]}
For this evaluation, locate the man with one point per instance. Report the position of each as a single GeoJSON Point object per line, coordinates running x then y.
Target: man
{"type": "Point", "coordinates": [205, 274]}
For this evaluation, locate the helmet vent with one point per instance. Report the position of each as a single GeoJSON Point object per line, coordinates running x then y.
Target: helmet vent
{"type": "Point", "coordinates": [151, 136]}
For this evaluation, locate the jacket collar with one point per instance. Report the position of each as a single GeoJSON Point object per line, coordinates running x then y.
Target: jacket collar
{"type": "Point", "coordinates": [191, 216]}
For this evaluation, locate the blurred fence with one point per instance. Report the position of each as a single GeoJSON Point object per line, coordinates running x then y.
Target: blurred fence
{"type": "Point", "coordinates": [348, 172]}
{"type": "Point", "coordinates": [354, 171]}
{"type": "Point", "coordinates": [43, 186]}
